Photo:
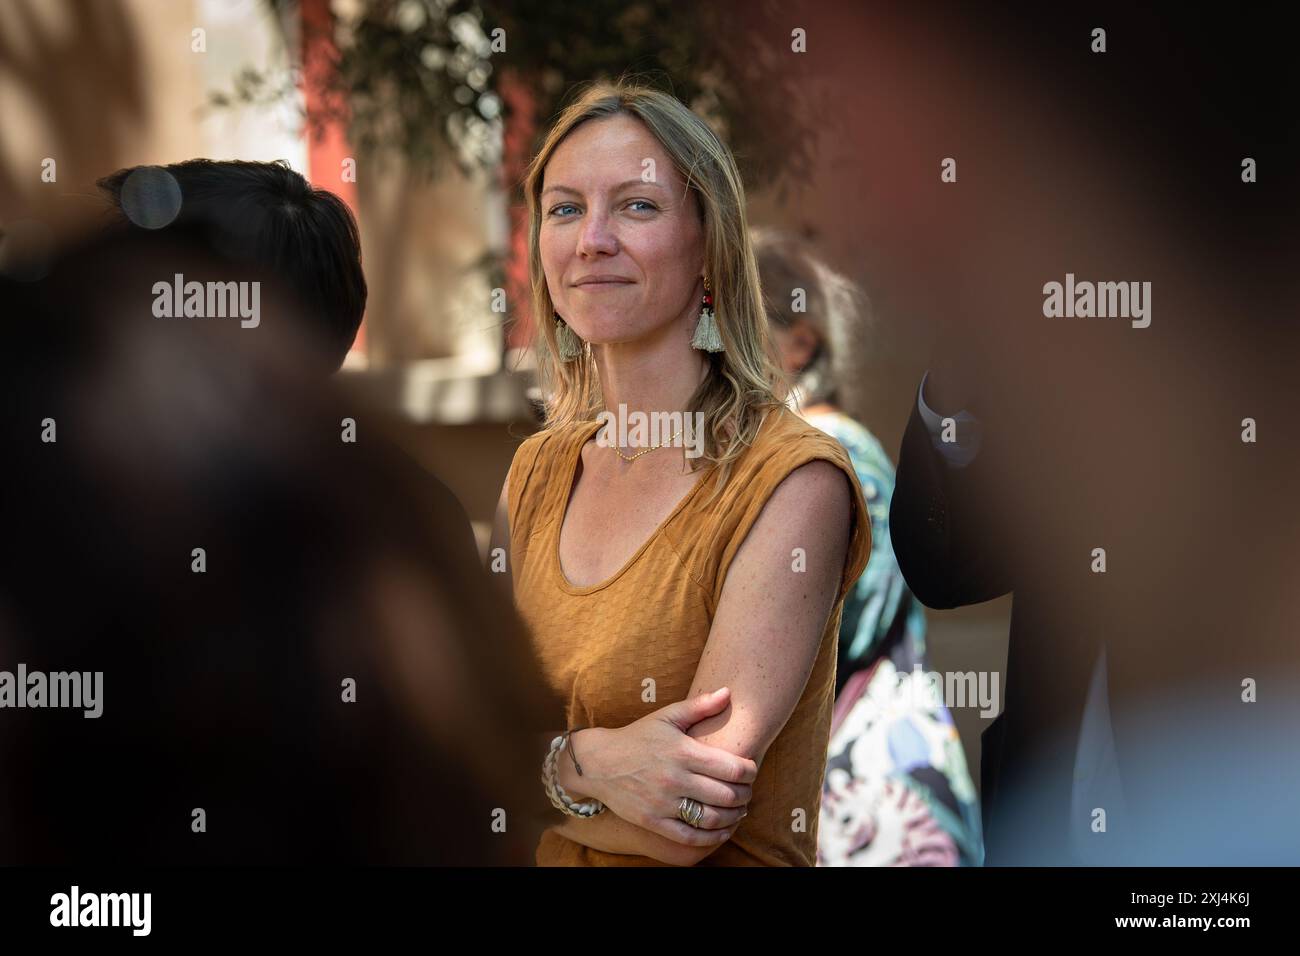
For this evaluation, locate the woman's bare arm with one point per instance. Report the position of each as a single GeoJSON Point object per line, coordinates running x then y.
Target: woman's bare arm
{"type": "Point", "coordinates": [614, 834]}
{"type": "Point", "coordinates": [765, 637]}
{"type": "Point", "coordinates": [610, 833]}
{"type": "Point", "coordinates": [770, 620]}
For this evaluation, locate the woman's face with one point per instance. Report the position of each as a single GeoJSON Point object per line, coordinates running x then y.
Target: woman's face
{"type": "Point", "coordinates": [796, 344]}
{"type": "Point", "coordinates": [606, 212]}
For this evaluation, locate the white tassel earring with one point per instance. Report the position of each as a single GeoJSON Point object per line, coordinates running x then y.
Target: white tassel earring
{"type": "Point", "coordinates": [569, 344]}
{"type": "Point", "coordinates": [707, 338]}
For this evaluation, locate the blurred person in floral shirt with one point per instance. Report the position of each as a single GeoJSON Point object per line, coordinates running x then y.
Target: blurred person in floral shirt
{"type": "Point", "coordinates": [896, 791]}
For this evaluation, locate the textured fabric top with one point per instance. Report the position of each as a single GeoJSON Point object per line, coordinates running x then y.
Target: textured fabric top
{"type": "Point", "coordinates": [599, 644]}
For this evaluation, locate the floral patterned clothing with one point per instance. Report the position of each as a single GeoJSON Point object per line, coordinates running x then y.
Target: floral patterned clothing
{"type": "Point", "coordinates": [896, 790]}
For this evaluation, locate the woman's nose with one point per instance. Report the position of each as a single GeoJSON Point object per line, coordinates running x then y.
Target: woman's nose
{"type": "Point", "coordinates": [597, 235]}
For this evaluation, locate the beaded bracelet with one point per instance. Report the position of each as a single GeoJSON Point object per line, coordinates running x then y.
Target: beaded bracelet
{"type": "Point", "coordinates": [551, 780]}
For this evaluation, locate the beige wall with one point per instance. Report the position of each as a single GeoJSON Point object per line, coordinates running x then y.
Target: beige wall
{"type": "Point", "coordinates": [112, 83]}
{"type": "Point", "coordinates": [97, 86]}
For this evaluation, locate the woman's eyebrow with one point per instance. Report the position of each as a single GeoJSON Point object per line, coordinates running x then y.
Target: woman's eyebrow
{"type": "Point", "coordinates": [613, 189]}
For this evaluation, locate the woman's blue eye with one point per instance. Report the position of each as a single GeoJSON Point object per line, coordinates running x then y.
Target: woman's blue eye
{"type": "Point", "coordinates": [555, 210]}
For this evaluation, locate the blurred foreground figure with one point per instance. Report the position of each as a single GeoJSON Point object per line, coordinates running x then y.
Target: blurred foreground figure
{"type": "Point", "coordinates": [266, 215]}
{"type": "Point", "coordinates": [1128, 472]}
{"type": "Point", "coordinates": [266, 218]}
{"type": "Point", "coordinates": [289, 665]}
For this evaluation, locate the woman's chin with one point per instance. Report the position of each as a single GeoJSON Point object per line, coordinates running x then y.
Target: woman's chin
{"type": "Point", "coordinates": [609, 333]}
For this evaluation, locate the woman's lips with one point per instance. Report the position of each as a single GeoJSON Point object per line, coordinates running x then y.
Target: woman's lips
{"type": "Point", "coordinates": [602, 285]}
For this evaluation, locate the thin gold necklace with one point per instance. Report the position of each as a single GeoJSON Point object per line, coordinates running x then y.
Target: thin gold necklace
{"type": "Point", "coordinates": [646, 451]}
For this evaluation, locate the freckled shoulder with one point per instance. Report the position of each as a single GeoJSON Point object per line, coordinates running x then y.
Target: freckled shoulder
{"type": "Point", "coordinates": [784, 443]}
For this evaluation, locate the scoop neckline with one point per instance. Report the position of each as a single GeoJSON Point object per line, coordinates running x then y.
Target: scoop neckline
{"type": "Point", "coordinates": [572, 472]}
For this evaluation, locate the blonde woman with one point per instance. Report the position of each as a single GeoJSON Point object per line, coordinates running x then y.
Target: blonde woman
{"type": "Point", "coordinates": [683, 592]}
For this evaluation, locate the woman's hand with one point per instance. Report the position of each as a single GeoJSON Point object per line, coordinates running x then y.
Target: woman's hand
{"type": "Point", "coordinates": [642, 771]}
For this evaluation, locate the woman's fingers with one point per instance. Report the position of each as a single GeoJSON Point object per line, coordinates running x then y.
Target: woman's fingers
{"type": "Point", "coordinates": [719, 764]}
{"type": "Point", "coordinates": [717, 818]}
{"type": "Point", "coordinates": [715, 793]}
{"type": "Point", "coordinates": [687, 835]}
{"type": "Point", "coordinates": [684, 714]}
{"type": "Point", "coordinates": [716, 824]}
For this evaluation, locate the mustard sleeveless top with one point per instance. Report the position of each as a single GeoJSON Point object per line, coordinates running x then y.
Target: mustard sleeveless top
{"type": "Point", "coordinates": [597, 644]}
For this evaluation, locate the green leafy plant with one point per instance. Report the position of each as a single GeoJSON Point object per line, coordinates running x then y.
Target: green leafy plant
{"type": "Point", "coordinates": [422, 78]}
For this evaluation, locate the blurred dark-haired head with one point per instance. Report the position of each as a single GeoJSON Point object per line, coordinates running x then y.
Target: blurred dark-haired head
{"type": "Point", "coordinates": [818, 316]}
{"type": "Point", "coordinates": [264, 216]}
{"type": "Point", "coordinates": [286, 642]}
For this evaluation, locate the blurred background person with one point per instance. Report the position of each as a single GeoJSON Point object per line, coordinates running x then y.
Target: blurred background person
{"type": "Point", "coordinates": [296, 669]}
{"type": "Point", "coordinates": [897, 789]}
{"type": "Point", "coordinates": [268, 215]}
{"type": "Point", "coordinates": [269, 218]}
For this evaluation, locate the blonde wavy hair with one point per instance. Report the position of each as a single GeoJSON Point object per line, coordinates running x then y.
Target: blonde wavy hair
{"type": "Point", "coordinates": [745, 380]}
